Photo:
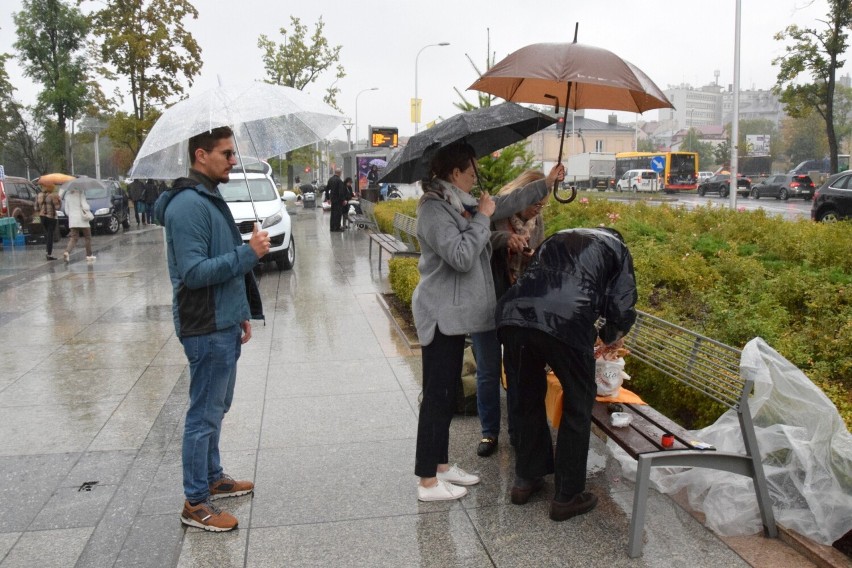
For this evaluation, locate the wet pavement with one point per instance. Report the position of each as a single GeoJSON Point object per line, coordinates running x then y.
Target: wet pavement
{"type": "Point", "coordinates": [93, 391]}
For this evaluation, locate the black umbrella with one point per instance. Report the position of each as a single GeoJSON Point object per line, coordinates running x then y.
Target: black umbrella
{"type": "Point", "coordinates": [486, 129]}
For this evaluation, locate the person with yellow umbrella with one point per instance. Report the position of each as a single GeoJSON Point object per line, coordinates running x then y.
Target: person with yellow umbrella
{"type": "Point", "coordinates": [47, 203]}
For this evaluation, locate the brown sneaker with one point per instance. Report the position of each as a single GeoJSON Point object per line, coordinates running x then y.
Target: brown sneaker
{"type": "Point", "coordinates": [207, 516]}
{"type": "Point", "coordinates": [229, 487]}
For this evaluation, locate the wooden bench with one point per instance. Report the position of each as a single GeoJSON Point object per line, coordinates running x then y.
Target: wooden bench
{"type": "Point", "coordinates": [367, 218]}
{"type": "Point", "coordinates": [402, 243]}
{"type": "Point", "coordinates": [709, 367]}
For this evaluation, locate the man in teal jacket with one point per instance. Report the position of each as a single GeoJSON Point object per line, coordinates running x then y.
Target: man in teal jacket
{"type": "Point", "coordinates": [215, 296]}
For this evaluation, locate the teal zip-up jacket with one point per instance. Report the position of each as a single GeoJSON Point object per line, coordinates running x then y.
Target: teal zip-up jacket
{"type": "Point", "coordinates": [209, 266]}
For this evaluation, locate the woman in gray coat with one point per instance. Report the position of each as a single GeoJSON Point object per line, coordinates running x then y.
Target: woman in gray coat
{"type": "Point", "coordinates": [455, 296]}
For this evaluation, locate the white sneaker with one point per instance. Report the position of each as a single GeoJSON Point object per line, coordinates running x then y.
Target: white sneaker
{"type": "Point", "coordinates": [458, 476]}
{"type": "Point", "coordinates": [91, 258]}
{"type": "Point", "coordinates": [442, 491]}
{"type": "Point", "coordinates": [66, 256]}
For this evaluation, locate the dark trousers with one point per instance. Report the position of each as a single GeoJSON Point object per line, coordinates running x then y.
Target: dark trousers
{"type": "Point", "coordinates": [442, 369]}
{"type": "Point", "coordinates": [336, 214]}
{"type": "Point", "coordinates": [574, 366]}
{"type": "Point", "coordinates": [49, 232]}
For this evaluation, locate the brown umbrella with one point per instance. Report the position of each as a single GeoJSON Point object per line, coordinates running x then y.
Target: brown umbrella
{"type": "Point", "coordinates": [575, 76]}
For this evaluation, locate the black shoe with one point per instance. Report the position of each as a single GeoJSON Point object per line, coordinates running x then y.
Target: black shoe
{"type": "Point", "coordinates": [580, 504]}
{"type": "Point", "coordinates": [487, 446]}
{"type": "Point", "coordinates": [524, 489]}
{"type": "Point", "coordinates": [51, 257]}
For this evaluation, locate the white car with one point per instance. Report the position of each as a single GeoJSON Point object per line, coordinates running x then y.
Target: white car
{"type": "Point", "coordinates": [704, 175]}
{"type": "Point", "coordinates": [252, 192]}
{"type": "Point", "coordinates": [638, 180]}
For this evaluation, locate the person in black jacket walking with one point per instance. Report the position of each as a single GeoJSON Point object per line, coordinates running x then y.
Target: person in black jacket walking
{"type": "Point", "coordinates": [151, 194]}
{"type": "Point", "coordinates": [548, 318]}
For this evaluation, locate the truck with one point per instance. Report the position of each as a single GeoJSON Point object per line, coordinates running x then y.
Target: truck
{"type": "Point", "coordinates": [590, 170]}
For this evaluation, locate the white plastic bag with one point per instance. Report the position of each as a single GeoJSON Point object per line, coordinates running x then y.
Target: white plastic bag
{"type": "Point", "coordinates": [609, 375]}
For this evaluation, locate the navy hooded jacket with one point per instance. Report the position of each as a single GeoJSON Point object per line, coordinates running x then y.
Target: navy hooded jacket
{"type": "Point", "coordinates": [209, 266]}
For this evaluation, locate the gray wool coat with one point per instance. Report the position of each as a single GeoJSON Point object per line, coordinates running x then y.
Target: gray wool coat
{"type": "Point", "coordinates": [456, 289]}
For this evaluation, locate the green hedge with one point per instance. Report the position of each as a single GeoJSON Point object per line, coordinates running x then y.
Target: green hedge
{"type": "Point", "coordinates": [733, 276]}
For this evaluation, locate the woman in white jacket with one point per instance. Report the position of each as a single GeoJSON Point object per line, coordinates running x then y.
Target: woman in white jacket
{"type": "Point", "coordinates": [76, 209]}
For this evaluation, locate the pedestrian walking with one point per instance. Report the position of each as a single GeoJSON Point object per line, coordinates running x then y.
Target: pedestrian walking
{"type": "Point", "coordinates": [215, 296]}
{"type": "Point", "coordinates": [455, 296]}
{"type": "Point", "coordinates": [548, 319]}
{"type": "Point", "coordinates": [48, 203]}
{"type": "Point", "coordinates": [136, 193]}
{"type": "Point", "coordinates": [79, 215]}
{"type": "Point", "coordinates": [151, 194]}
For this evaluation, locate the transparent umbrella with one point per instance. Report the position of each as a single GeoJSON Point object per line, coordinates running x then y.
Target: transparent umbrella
{"type": "Point", "coordinates": [268, 120]}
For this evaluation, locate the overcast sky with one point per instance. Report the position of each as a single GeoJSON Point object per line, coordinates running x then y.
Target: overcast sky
{"type": "Point", "coordinates": [673, 41]}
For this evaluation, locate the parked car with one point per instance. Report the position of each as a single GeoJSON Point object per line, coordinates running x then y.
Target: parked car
{"type": "Point", "coordinates": [833, 200]}
{"type": "Point", "coordinates": [638, 180]}
{"type": "Point", "coordinates": [704, 175]}
{"type": "Point", "coordinates": [18, 199]}
{"type": "Point", "coordinates": [108, 202]}
{"type": "Point", "coordinates": [784, 186]}
{"type": "Point", "coordinates": [254, 184]}
{"type": "Point", "coordinates": [721, 184]}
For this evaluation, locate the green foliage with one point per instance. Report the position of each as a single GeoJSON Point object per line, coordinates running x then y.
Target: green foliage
{"type": "Point", "coordinates": [385, 210]}
{"type": "Point", "coordinates": [733, 276]}
{"type": "Point", "coordinates": [299, 60]}
{"type": "Point", "coordinates": [403, 277]}
{"type": "Point", "coordinates": [645, 145]}
{"type": "Point", "coordinates": [146, 43]}
{"type": "Point", "coordinates": [803, 138]}
{"type": "Point", "coordinates": [816, 53]}
{"type": "Point", "coordinates": [510, 162]}
{"type": "Point", "coordinates": [51, 37]}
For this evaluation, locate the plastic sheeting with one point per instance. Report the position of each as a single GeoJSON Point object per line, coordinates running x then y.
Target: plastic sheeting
{"type": "Point", "coordinates": [805, 448]}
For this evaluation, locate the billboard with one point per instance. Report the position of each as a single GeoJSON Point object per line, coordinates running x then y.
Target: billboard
{"type": "Point", "coordinates": [757, 144]}
{"type": "Point", "coordinates": [365, 164]}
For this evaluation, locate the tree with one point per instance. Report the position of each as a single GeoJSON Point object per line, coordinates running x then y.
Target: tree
{"type": "Point", "coordinates": [145, 42]}
{"type": "Point", "coordinates": [499, 168]}
{"type": "Point", "coordinates": [803, 138]}
{"type": "Point", "coordinates": [7, 100]}
{"type": "Point", "coordinates": [300, 61]}
{"type": "Point", "coordinates": [816, 52]}
{"type": "Point", "coordinates": [51, 38]}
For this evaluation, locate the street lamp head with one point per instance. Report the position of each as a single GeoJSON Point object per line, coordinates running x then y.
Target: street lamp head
{"type": "Point", "coordinates": [444, 43]}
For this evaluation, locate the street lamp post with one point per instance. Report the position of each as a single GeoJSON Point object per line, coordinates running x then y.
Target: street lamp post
{"type": "Point", "coordinates": [417, 100]}
{"type": "Point", "coordinates": [348, 126]}
{"type": "Point", "coordinates": [356, 111]}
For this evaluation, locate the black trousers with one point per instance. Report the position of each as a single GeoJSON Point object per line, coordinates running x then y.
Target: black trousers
{"type": "Point", "coordinates": [49, 232]}
{"type": "Point", "coordinates": [574, 366]}
{"type": "Point", "coordinates": [336, 214]}
{"type": "Point", "coordinates": [442, 369]}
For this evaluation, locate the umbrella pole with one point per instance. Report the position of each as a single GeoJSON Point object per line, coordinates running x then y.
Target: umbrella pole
{"type": "Point", "coordinates": [559, 158]}
{"type": "Point", "coordinates": [245, 179]}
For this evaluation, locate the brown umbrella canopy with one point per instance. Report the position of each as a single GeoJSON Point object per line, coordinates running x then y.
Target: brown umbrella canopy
{"type": "Point", "coordinates": [571, 75]}
{"type": "Point", "coordinates": [596, 79]}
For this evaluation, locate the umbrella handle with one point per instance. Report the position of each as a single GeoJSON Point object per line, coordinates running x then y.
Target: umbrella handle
{"type": "Point", "coordinates": [568, 199]}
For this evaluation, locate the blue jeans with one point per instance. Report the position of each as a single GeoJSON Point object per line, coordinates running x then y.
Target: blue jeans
{"type": "Point", "coordinates": [212, 371]}
{"type": "Point", "coordinates": [486, 349]}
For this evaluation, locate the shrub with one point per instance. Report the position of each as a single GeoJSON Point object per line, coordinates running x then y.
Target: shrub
{"type": "Point", "coordinates": [733, 276]}
{"type": "Point", "coordinates": [403, 277]}
{"type": "Point", "coordinates": [385, 211]}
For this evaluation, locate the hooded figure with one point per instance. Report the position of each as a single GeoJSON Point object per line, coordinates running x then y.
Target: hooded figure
{"type": "Point", "coordinates": [548, 318]}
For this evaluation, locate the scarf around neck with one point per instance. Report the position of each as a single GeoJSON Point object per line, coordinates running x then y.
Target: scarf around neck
{"type": "Point", "coordinates": [458, 199]}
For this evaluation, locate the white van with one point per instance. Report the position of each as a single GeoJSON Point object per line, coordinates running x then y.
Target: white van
{"type": "Point", "coordinates": [638, 180]}
{"type": "Point", "coordinates": [255, 180]}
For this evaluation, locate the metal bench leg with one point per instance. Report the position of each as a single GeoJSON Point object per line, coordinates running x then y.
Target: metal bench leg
{"type": "Point", "coordinates": [370, 256]}
{"type": "Point", "coordinates": [760, 486]}
{"type": "Point", "coordinates": [640, 501]}
{"type": "Point", "coordinates": [380, 258]}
